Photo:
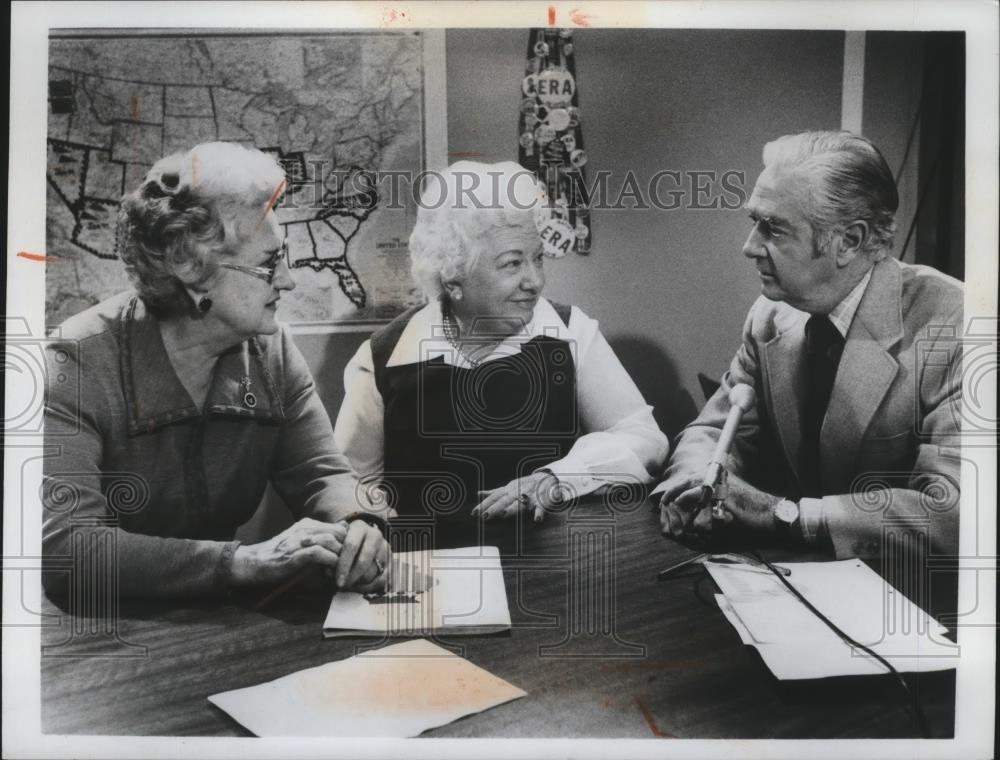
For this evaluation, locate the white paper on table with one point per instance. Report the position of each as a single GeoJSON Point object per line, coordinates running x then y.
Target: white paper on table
{"type": "Point", "coordinates": [448, 590]}
{"type": "Point", "coordinates": [795, 643]}
{"type": "Point", "coordinates": [731, 616]}
{"type": "Point", "coordinates": [397, 691]}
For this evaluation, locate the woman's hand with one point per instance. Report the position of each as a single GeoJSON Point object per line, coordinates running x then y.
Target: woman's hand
{"type": "Point", "coordinates": [364, 560]}
{"type": "Point", "coordinates": [307, 542]}
{"type": "Point", "coordinates": [354, 553]}
{"type": "Point", "coordinates": [536, 493]}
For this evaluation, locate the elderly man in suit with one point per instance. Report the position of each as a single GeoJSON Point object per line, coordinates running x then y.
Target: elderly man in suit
{"type": "Point", "coordinates": [855, 361]}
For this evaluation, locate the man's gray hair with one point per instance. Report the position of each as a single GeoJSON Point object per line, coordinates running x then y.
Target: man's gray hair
{"type": "Point", "coordinates": [849, 180]}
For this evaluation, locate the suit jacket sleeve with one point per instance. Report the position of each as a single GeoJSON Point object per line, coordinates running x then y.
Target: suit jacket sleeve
{"type": "Point", "coordinates": [697, 441]}
{"type": "Point", "coordinates": [926, 500]}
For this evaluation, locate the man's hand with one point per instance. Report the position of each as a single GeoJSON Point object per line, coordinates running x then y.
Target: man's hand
{"type": "Point", "coordinates": [537, 493]}
{"type": "Point", "coordinates": [748, 510]}
{"type": "Point", "coordinates": [679, 506]}
{"type": "Point", "coordinates": [747, 513]}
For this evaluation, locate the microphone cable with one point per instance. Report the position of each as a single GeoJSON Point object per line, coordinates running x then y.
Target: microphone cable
{"type": "Point", "coordinates": [919, 719]}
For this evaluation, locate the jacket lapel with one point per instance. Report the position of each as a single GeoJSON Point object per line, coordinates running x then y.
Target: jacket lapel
{"type": "Point", "coordinates": [866, 371]}
{"type": "Point", "coordinates": [785, 381]}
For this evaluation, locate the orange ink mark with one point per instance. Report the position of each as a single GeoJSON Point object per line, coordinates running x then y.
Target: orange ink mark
{"type": "Point", "coordinates": [391, 15]}
{"type": "Point", "coordinates": [552, 15]}
{"type": "Point", "coordinates": [275, 195]}
{"type": "Point", "coordinates": [271, 201]}
{"type": "Point", "coordinates": [648, 716]}
{"type": "Point", "coordinates": [579, 18]}
{"type": "Point", "coordinates": [38, 257]}
{"type": "Point", "coordinates": [194, 171]}
{"type": "Point", "coordinates": [463, 154]}
{"type": "Point", "coordinates": [134, 107]}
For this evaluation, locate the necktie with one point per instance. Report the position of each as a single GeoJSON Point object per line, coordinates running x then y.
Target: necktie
{"type": "Point", "coordinates": [824, 344]}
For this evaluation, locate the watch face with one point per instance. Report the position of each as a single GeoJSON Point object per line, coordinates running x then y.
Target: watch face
{"type": "Point", "coordinates": [787, 511]}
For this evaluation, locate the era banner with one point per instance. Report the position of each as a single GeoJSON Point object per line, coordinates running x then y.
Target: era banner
{"type": "Point", "coordinates": [551, 139]}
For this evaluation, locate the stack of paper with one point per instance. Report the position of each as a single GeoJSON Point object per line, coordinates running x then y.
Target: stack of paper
{"type": "Point", "coordinates": [795, 643]}
{"type": "Point", "coordinates": [446, 590]}
{"type": "Point", "coordinates": [398, 691]}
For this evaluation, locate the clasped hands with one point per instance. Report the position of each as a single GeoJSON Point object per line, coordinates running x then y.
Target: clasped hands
{"type": "Point", "coordinates": [354, 554]}
{"type": "Point", "coordinates": [747, 512]}
{"type": "Point", "coordinates": [536, 494]}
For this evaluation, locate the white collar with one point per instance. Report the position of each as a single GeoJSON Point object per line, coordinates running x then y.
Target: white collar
{"type": "Point", "coordinates": [423, 338]}
{"type": "Point", "coordinates": [843, 313]}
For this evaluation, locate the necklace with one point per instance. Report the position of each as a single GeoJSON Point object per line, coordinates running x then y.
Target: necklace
{"type": "Point", "coordinates": [249, 399]}
{"type": "Point", "coordinates": [451, 333]}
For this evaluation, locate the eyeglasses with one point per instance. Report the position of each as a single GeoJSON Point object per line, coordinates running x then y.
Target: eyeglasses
{"type": "Point", "coordinates": [265, 272]}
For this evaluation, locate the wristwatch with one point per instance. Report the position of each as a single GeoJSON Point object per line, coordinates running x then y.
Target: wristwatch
{"type": "Point", "coordinates": [786, 518]}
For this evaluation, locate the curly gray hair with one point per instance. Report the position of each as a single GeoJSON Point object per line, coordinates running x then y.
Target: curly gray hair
{"type": "Point", "coordinates": [461, 209]}
{"type": "Point", "coordinates": [191, 209]}
{"type": "Point", "coordinates": [851, 181]}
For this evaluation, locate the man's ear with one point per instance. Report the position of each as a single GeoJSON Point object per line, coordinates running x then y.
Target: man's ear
{"type": "Point", "coordinates": [852, 242]}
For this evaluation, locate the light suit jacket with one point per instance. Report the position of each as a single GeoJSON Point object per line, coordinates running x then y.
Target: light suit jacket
{"type": "Point", "coordinates": [890, 440]}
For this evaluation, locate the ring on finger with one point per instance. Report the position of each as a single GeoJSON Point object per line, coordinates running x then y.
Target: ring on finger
{"type": "Point", "coordinates": [525, 500]}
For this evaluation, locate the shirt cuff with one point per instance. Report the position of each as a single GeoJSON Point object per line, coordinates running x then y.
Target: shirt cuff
{"type": "Point", "coordinates": [572, 478]}
{"type": "Point", "coordinates": [811, 519]}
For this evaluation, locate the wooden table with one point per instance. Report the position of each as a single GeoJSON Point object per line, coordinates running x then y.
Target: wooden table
{"type": "Point", "coordinates": [601, 647]}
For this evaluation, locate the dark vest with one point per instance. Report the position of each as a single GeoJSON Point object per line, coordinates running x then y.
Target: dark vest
{"type": "Point", "coordinates": [451, 432]}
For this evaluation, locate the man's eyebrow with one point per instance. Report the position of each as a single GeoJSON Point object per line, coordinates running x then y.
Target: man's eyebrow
{"type": "Point", "coordinates": [770, 221]}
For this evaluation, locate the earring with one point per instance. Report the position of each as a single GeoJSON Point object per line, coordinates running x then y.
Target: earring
{"type": "Point", "coordinates": [204, 304]}
{"type": "Point", "coordinates": [455, 294]}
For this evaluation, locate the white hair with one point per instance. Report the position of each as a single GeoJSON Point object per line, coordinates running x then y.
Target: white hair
{"type": "Point", "coordinates": [190, 209]}
{"type": "Point", "coordinates": [461, 209]}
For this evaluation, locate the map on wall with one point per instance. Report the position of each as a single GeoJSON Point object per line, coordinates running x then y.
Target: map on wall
{"type": "Point", "coordinates": [337, 110]}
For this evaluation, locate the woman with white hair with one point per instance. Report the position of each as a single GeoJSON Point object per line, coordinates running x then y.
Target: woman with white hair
{"type": "Point", "coordinates": [490, 396]}
{"type": "Point", "coordinates": [175, 405]}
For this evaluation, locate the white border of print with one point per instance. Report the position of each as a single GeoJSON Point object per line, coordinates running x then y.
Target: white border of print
{"type": "Point", "coordinates": [25, 298]}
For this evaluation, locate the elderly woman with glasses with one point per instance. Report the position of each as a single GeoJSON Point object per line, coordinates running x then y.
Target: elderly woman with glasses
{"type": "Point", "coordinates": [490, 401]}
{"type": "Point", "coordinates": [175, 405]}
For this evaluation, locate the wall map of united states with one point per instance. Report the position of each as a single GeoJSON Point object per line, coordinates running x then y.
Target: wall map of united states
{"type": "Point", "coordinates": [332, 109]}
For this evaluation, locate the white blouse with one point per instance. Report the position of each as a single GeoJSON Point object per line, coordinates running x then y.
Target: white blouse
{"type": "Point", "coordinates": [621, 441]}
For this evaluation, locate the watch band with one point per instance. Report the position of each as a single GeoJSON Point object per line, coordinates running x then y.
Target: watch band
{"type": "Point", "coordinates": [372, 519]}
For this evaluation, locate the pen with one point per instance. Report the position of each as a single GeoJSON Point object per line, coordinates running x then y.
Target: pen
{"type": "Point", "coordinates": [740, 559]}
{"type": "Point", "coordinates": [668, 571]}
{"type": "Point", "coordinates": [721, 559]}
{"type": "Point", "coordinates": [285, 586]}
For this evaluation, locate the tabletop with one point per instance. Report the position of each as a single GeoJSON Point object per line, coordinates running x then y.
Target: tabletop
{"type": "Point", "coordinates": [601, 647]}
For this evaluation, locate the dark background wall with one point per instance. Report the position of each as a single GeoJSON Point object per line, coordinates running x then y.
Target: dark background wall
{"type": "Point", "coordinates": [670, 288]}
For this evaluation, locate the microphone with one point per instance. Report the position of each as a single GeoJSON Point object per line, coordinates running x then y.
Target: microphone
{"type": "Point", "coordinates": [741, 400]}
